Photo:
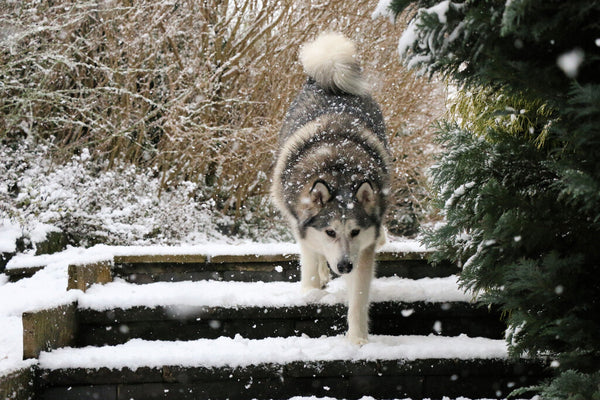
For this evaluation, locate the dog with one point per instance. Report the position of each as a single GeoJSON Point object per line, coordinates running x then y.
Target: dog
{"type": "Point", "coordinates": [331, 177]}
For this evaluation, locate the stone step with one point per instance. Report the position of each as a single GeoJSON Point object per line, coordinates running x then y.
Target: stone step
{"type": "Point", "coordinates": [247, 262]}
{"type": "Point", "coordinates": [18, 384]}
{"type": "Point", "coordinates": [117, 326]}
{"type": "Point", "coordinates": [252, 268]}
{"type": "Point", "coordinates": [239, 368]}
{"type": "Point", "coordinates": [118, 311]}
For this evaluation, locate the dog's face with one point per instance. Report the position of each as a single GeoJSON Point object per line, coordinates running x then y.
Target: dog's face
{"type": "Point", "coordinates": [340, 225]}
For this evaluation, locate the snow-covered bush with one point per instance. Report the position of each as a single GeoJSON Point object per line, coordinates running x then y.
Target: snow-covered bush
{"type": "Point", "coordinates": [122, 205]}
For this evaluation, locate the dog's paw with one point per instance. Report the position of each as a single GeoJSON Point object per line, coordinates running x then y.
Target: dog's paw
{"type": "Point", "coordinates": [357, 339]}
{"type": "Point", "coordinates": [312, 295]}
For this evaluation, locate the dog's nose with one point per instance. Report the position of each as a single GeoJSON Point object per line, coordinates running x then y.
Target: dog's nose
{"type": "Point", "coordinates": [344, 267]}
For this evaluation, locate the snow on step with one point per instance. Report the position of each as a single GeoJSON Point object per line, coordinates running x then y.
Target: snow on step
{"type": "Point", "coordinates": [121, 294]}
{"type": "Point", "coordinates": [241, 352]}
{"type": "Point", "coordinates": [101, 252]}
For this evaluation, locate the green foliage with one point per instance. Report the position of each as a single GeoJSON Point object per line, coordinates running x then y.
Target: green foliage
{"type": "Point", "coordinates": [570, 385]}
{"type": "Point", "coordinates": [519, 179]}
{"type": "Point", "coordinates": [490, 109]}
{"type": "Point", "coordinates": [480, 43]}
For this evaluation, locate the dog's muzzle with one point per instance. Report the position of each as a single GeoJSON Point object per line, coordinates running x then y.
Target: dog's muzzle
{"type": "Point", "coordinates": [344, 267]}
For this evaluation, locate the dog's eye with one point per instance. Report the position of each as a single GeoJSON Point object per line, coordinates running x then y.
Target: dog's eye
{"type": "Point", "coordinates": [354, 232]}
{"type": "Point", "coordinates": [330, 233]}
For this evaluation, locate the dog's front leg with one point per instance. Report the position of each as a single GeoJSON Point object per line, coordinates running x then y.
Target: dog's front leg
{"type": "Point", "coordinates": [359, 285]}
{"type": "Point", "coordinates": [309, 269]}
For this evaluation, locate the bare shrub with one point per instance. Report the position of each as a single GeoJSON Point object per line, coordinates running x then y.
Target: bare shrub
{"type": "Point", "coordinates": [195, 89]}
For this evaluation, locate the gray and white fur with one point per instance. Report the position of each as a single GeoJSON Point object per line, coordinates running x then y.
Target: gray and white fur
{"type": "Point", "coordinates": [331, 178]}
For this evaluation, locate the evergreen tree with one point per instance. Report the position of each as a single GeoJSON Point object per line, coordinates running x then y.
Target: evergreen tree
{"type": "Point", "coordinates": [519, 178]}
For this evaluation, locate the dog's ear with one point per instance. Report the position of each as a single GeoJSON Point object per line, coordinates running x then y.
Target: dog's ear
{"type": "Point", "coordinates": [319, 194]}
{"type": "Point", "coordinates": [365, 195]}
{"type": "Point", "coordinates": [313, 201]}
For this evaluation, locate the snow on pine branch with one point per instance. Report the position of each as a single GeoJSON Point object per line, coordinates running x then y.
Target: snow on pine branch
{"type": "Point", "coordinates": [427, 35]}
{"type": "Point", "coordinates": [383, 9]}
{"type": "Point", "coordinates": [457, 194]}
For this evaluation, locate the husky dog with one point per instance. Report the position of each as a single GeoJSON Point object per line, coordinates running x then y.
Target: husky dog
{"type": "Point", "coordinates": [331, 178]}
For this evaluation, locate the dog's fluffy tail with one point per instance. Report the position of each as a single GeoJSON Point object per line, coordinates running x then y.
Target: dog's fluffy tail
{"type": "Point", "coordinates": [331, 61]}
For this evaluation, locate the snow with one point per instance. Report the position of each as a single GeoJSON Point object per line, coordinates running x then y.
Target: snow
{"type": "Point", "coordinates": [458, 193]}
{"type": "Point", "coordinates": [383, 10]}
{"type": "Point", "coordinates": [242, 352]}
{"type": "Point", "coordinates": [9, 233]}
{"type": "Point", "coordinates": [47, 287]}
{"type": "Point", "coordinates": [441, 9]}
{"type": "Point", "coordinates": [569, 62]}
{"type": "Point", "coordinates": [11, 345]}
{"type": "Point", "coordinates": [414, 37]}
{"type": "Point", "coordinates": [123, 205]}
{"type": "Point", "coordinates": [41, 231]}
{"type": "Point", "coordinates": [402, 245]}
{"type": "Point", "coordinates": [72, 255]}
{"type": "Point", "coordinates": [121, 294]}
{"type": "Point", "coordinates": [409, 36]}
{"type": "Point", "coordinates": [105, 253]}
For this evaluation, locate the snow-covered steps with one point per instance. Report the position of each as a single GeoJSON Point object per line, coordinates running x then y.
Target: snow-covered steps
{"type": "Point", "coordinates": [386, 367]}
{"type": "Point", "coordinates": [118, 311]}
{"type": "Point", "coordinates": [174, 323]}
{"type": "Point", "coordinates": [145, 265]}
{"type": "Point", "coordinates": [122, 294]}
{"type": "Point", "coordinates": [247, 261]}
{"type": "Point", "coordinates": [146, 268]}
{"type": "Point", "coordinates": [212, 322]}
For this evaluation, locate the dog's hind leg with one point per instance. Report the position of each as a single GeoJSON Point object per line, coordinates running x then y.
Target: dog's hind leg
{"type": "Point", "coordinates": [359, 285]}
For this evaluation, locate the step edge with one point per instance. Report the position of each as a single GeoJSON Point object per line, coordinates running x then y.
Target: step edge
{"type": "Point", "coordinates": [201, 258]}
{"type": "Point", "coordinates": [382, 365]}
{"type": "Point", "coordinates": [291, 311]}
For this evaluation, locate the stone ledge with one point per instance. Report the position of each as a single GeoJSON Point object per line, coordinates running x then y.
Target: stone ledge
{"type": "Point", "coordinates": [432, 378]}
{"type": "Point", "coordinates": [82, 276]}
{"type": "Point", "coordinates": [49, 329]}
{"type": "Point", "coordinates": [245, 258]}
{"type": "Point", "coordinates": [117, 326]}
{"type": "Point", "coordinates": [261, 268]}
{"type": "Point", "coordinates": [19, 385]}
{"type": "Point", "coordinates": [16, 274]}
{"type": "Point", "coordinates": [164, 258]}
{"type": "Point", "coordinates": [389, 309]}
